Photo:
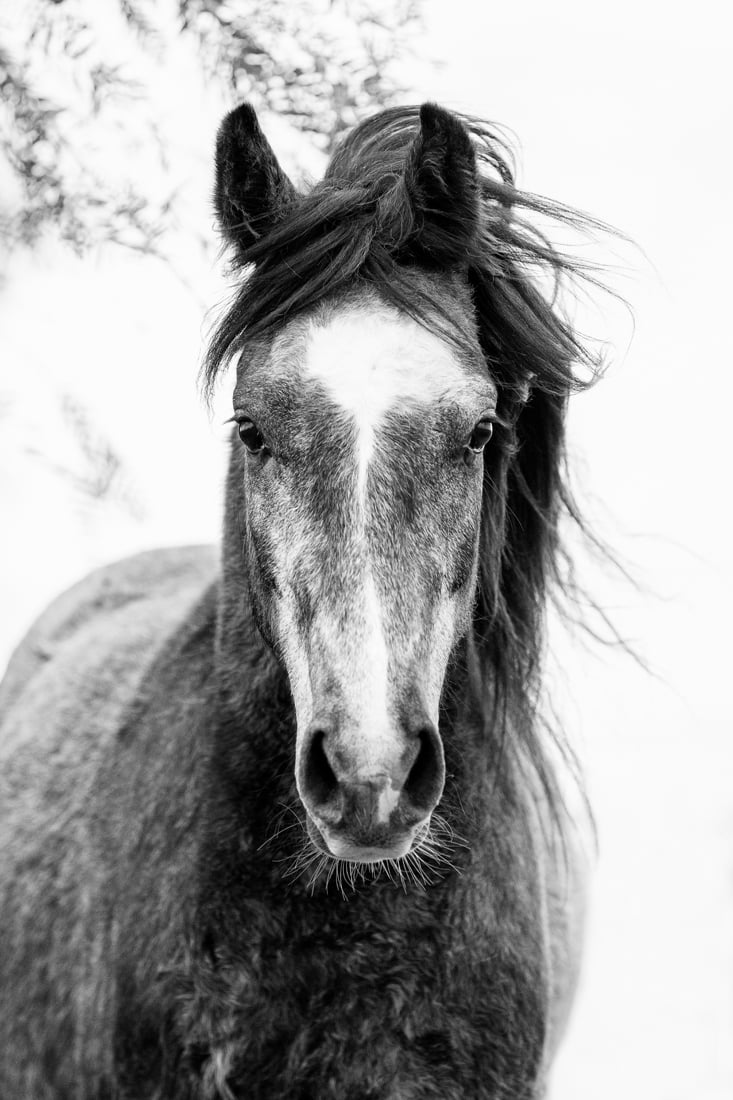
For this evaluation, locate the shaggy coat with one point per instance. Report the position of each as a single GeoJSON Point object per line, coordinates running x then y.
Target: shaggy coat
{"type": "Point", "coordinates": [161, 937]}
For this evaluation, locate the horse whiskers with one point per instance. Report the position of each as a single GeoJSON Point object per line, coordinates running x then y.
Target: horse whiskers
{"type": "Point", "coordinates": [278, 832]}
{"type": "Point", "coordinates": [303, 861]}
{"type": "Point", "coordinates": [320, 860]}
{"type": "Point", "coordinates": [440, 829]}
{"type": "Point", "coordinates": [425, 865]}
{"type": "Point", "coordinates": [278, 828]}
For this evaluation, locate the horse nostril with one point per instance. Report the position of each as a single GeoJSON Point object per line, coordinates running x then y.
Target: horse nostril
{"type": "Point", "coordinates": [318, 777]}
{"type": "Point", "coordinates": [424, 783]}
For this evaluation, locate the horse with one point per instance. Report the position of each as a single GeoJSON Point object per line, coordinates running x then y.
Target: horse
{"type": "Point", "coordinates": [287, 821]}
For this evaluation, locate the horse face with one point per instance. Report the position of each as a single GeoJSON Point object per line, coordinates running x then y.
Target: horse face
{"type": "Point", "coordinates": [362, 495]}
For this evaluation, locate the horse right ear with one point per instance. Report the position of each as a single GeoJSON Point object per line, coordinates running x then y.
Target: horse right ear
{"type": "Point", "coordinates": [441, 178]}
{"type": "Point", "coordinates": [251, 192]}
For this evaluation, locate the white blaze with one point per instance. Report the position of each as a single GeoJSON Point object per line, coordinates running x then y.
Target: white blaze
{"type": "Point", "coordinates": [371, 361]}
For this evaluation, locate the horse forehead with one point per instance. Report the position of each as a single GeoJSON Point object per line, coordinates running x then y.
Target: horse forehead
{"type": "Point", "coordinates": [370, 361]}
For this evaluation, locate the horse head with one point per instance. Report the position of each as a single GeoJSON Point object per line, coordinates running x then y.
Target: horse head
{"type": "Point", "coordinates": [398, 479]}
{"type": "Point", "coordinates": [363, 432]}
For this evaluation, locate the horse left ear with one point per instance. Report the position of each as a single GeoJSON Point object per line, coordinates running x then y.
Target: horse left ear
{"type": "Point", "coordinates": [251, 192]}
{"type": "Point", "coordinates": [442, 183]}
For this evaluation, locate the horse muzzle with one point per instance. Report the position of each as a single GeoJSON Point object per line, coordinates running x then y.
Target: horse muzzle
{"type": "Point", "coordinates": [369, 809]}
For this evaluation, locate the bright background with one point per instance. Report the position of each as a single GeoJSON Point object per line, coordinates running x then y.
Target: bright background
{"type": "Point", "coordinates": [622, 111]}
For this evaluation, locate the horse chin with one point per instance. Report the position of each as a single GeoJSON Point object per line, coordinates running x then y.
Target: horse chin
{"type": "Point", "coordinates": [342, 848]}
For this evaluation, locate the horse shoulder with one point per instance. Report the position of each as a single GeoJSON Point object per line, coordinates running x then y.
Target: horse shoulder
{"type": "Point", "coordinates": [152, 572]}
{"type": "Point", "coordinates": [76, 808]}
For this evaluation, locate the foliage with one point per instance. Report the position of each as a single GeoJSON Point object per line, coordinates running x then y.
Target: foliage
{"type": "Point", "coordinates": [87, 144]}
{"type": "Point", "coordinates": [323, 66]}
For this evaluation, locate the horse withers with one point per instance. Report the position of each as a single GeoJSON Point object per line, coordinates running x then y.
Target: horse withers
{"type": "Point", "coordinates": [285, 822]}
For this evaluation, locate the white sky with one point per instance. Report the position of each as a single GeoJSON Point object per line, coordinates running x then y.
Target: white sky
{"type": "Point", "coordinates": [623, 111]}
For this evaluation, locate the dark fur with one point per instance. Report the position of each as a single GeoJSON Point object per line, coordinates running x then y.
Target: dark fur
{"type": "Point", "coordinates": [153, 943]}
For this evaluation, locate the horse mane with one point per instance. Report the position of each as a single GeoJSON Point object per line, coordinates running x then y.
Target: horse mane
{"type": "Point", "coordinates": [357, 227]}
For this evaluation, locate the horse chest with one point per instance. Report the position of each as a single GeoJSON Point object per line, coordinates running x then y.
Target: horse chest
{"type": "Point", "coordinates": [390, 1012]}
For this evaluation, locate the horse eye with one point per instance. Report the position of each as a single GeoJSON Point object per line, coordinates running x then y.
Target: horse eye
{"type": "Point", "coordinates": [251, 436]}
{"type": "Point", "coordinates": [481, 435]}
